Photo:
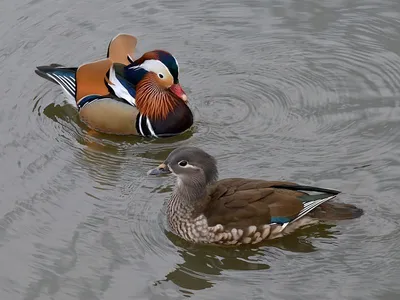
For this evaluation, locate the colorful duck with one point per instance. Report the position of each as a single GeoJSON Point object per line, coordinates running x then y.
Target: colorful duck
{"type": "Point", "coordinates": [237, 211]}
{"type": "Point", "coordinates": [123, 96]}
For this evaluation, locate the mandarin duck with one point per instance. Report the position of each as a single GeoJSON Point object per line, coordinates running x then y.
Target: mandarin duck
{"type": "Point", "coordinates": [123, 96]}
{"type": "Point", "coordinates": [236, 211]}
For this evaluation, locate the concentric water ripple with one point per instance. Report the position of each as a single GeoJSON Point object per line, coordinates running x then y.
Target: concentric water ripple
{"type": "Point", "coordinates": [305, 91]}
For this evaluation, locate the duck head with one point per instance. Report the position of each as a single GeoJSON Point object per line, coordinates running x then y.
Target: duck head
{"type": "Point", "coordinates": [192, 166]}
{"type": "Point", "coordinates": [156, 79]}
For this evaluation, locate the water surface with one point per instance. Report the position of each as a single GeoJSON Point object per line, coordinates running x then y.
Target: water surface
{"type": "Point", "coordinates": [306, 91]}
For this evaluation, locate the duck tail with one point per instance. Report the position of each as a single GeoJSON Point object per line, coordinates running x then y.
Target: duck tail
{"type": "Point", "coordinates": [318, 205]}
{"type": "Point", "coordinates": [330, 211]}
{"type": "Point", "coordinates": [311, 203]}
{"type": "Point", "coordinates": [65, 77]}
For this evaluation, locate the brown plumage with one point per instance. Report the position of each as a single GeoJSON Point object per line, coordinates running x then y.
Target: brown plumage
{"type": "Point", "coordinates": [240, 210]}
{"type": "Point", "coordinates": [239, 202]}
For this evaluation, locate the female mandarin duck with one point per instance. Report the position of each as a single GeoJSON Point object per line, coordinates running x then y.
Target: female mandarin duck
{"type": "Point", "coordinates": [237, 211]}
{"type": "Point", "coordinates": [119, 95]}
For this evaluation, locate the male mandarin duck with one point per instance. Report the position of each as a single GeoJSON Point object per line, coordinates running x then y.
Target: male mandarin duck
{"type": "Point", "coordinates": [120, 95]}
{"type": "Point", "coordinates": [236, 211]}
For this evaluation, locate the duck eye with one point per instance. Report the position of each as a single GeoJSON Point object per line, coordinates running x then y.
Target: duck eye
{"type": "Point", "coordinates": [182, 163]}
{"type": "Point", "coordinates": [160, 75]}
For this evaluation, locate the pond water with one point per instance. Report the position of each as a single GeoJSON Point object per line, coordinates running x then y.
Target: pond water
{"type": "Point", "coordinates": [306, 91]}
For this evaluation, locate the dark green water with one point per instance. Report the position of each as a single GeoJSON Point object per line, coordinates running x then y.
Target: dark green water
{"type": "Point", "coordinates": [307, 91]}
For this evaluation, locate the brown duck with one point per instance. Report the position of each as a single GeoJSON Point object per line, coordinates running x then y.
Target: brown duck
{"type": "Point", "coordinates": [123, 96]}
{"type": "Point", "coordinates": [237, 211]}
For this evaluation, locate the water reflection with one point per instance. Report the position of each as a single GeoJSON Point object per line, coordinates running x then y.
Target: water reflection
{"type": "Point", "coordinates": [104, 156]}
{"type": "Point", "coordinates": [204, 265]}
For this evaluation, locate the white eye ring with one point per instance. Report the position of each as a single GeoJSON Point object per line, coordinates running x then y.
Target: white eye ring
{"type": "Point", "coordinates": [161, 75]}
{"type": "Point", "coordinates": [183, 163]}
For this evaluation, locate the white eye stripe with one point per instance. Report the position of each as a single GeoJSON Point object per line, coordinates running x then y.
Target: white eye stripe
{"type": "Point", "coordinates": [154, 65]}
{"type": "Point", "coordinates": [188, 166]}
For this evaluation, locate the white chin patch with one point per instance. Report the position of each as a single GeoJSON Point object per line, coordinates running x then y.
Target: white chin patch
{"type": "Point", "coordinates": [172, 171]}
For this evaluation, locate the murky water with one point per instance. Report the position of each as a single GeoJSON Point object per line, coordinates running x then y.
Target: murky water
{"type": "Point", "coordinates": [307, 91]}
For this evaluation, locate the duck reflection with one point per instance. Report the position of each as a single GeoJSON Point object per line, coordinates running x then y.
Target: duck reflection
{"type": "Point", "coordinates": [105, 156]}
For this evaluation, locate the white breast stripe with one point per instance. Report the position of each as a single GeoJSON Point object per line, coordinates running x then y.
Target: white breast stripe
{"type": "Point", "coordinates": [119, 89]}
{"type": "Point", "coordinates": [140, 125]}
{"type": "Point", "coordinates": [150, 128]}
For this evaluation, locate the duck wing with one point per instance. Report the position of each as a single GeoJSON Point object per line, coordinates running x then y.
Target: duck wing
{"type": "Point", "coordinates": [239, 202]}
{"type": "Point", "coordinates": [121, 49]}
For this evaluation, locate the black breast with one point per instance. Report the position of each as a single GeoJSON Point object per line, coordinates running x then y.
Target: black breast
{"type": "Point", "coordinates": [177, 121]}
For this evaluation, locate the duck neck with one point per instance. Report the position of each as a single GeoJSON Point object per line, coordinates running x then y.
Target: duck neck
{"type": "Point", "coordinates": [187, 198]}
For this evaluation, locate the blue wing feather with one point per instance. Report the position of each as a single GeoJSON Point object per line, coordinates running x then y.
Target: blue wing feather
{"type": "Point", "coordinates": [280, 220]}
{"type": "Point", "coordinates": [129, 87]}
